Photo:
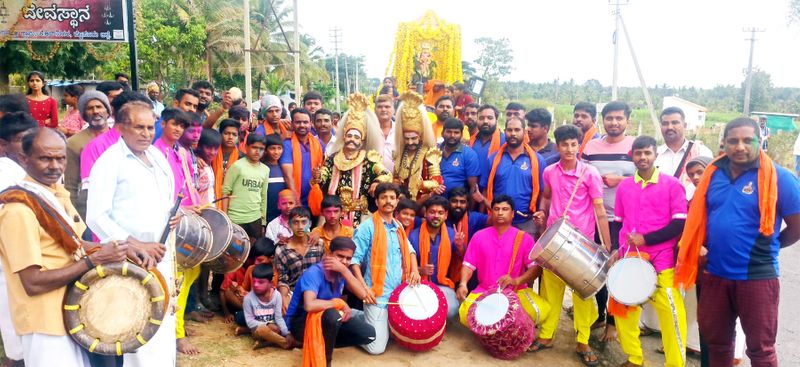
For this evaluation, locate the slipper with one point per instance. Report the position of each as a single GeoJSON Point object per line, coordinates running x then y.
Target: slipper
{"type": "Point", "coordinates": [539, 347]}
{"type": "Point", "coordinates": [598, 324]}
{"type": "Point", "coordinates": [645, 331]}
{"type": "Point", "coordinates": [589, 353]}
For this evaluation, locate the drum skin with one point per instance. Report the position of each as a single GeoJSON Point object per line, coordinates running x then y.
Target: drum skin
{"type": "Point", "coordinates": [418, 335]}
{"type": "Point", "coordinates": [235, 253]}
{"type": "Point", "coordinates": [631, 281]}
{"type": "Point", "coordinates": [193, 240]}
{"type": "Point", "coordinates": [101, 319]}
{"type": "Point", "coordinates": [511, 336]}
{"type": "Point", "coordinates": [222, 229]}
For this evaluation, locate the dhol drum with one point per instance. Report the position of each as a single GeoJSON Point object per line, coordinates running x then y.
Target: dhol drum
{"type": "Point", "coordinates": [193, 240]}
{"type": "Point", "coordinates": [116, 308]}
{"type": "Point", "coordinates": [577, 260]}
{"type": "Point", "coordinates": [631, 281]}
{"type": "Point", "coordinates": [234, 255]}
{"type": "Point", "coordinates": [501, 324]}
{"type": "Point", "coordinates": [222, 229]}
{"type": "Point", "coordinates": [417, 316]}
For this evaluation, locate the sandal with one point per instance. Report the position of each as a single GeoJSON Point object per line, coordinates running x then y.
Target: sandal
{"type": "Point", "coordinates": [586, 358]}
{"type": "Point", "coordinates": [539, 346]}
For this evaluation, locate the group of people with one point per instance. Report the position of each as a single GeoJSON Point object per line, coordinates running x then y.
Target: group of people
{"type": "Point", "coordinates": [342, 210]}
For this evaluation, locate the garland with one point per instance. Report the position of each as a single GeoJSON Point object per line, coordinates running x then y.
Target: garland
{"type": "Point", "coordinates": [42, 58]}
{"type": "Point", "coordinates": [13, 29]}
{"type": "Point", "coordinates": [110, 56]}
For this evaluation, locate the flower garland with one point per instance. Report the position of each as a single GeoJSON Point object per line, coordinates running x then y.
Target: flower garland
{"type": "Point", "coordinates": [13, 29]}
{"type": "Point", "coordinates": [39, 57]}
{"type": "Point", "coordinates": [110, 56]}
{"type": "Point", "coordinates": [445, 41]}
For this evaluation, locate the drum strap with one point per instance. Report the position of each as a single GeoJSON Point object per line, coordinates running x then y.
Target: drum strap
{"type": "Point", "coordinates": [517, 243]}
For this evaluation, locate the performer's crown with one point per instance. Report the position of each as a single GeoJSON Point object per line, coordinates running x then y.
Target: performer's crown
{"type": "Point", "coordinates": [410, 112]}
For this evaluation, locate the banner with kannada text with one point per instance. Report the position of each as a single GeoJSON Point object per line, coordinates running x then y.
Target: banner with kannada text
{"type": "Point", "coordinates": [63, 20]}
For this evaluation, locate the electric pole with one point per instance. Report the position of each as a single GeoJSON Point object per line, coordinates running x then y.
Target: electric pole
{"type": "Point", "coordinates": [248, 70]}
{"type": "Point", "coordinates": [336, 35]}
{"type": "Point", "coordinates": [614, 40]}
{"type": "Point", "coordinates": [748, 83]}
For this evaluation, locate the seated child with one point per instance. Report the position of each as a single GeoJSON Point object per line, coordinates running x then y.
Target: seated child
{"type": "Point", "coordinates": [231, 294]}
{"type": "Point", "coordinates": [264, 252]}
{"type": "Point", "coordinates": [263, 311]}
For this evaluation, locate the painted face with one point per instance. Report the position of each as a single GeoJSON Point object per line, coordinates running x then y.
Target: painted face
{"type": "Point", "coordinates": [254, 151]}
{"type": "Point", "coordinates": [615, 123]}
{"type": "Point", "coordinates": [582, 120]}
{"type": "Point", "coordinates": [286, 204]}
{"type": "Point", "coordinates": [568, 150]}
{"type": "Point", "coordinates": [742, 145]}
{"type": "Point", "coordinates": [411, 140]}
{"type": "Point", "coordinates": [406, 217]}
{"type": "Point", "coordinates": [353, 140]}
{"type": "Point", "coordinates": [644, 158]}
{"type": "Point", "coordinates": [332, 215]}
{"type": "Point", "coordinates": [300, 225]}
{"type": "Point", "coordinates": [672, 127]}
{"type": "Point", "coordinates": [191, 136]}
{"type": "Point", "coordinates": [502, 213]}
{"type": "Point", "coordinates": [435, 216]}
{"type": "Point", "coordinates": [172, 130]}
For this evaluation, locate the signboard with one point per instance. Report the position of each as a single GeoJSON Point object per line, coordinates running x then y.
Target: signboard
{"type": "Point", "coordinates": [63, 20]}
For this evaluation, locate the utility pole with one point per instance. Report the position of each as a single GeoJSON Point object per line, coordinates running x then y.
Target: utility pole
{"type": "Point", "coordinates": [358, 61]}
{"type": "Point", "coordinates": [641, 81]}
{"type": "Point", "coordinates": [336, 34]}
{"type": "Point", "coordinates": [748, 84]}
{"type": "Point", "coordinates": [615, 41]}
{"type": "Point", "coordinates": [248, 72]}
{"type": "Point", "coordinates": [298, 91]}
{"type": "Point", "coordinates": [346, 77]}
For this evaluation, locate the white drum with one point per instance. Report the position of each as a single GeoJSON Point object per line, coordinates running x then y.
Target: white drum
{"type": "Point", "coordinates": [631, 281]}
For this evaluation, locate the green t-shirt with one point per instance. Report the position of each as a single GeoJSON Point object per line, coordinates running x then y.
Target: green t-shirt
{"type": "Point", "coordinates": [247, 182]}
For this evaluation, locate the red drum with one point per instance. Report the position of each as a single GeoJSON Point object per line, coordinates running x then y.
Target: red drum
{"type": "Point", "coordinates": [501, 324]}
{"type": "Point", "coordinates": [417, 316]}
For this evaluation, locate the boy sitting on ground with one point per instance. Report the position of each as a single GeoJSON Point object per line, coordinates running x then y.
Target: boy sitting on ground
{"type": "Point", "coordinates": [263, 311]}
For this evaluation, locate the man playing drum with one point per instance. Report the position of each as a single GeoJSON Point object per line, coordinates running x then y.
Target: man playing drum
{"type": "Point", "coordinates": [42, 254]}
{"type": "Point", "coordinates": [491, 253]}
{"type": "Point", "coordinates": [583, 206]}
{"type": "Point", "coordinates": [383, 251]}
{"type": "Point", "coordinates": [651, 206]}
{"type": "Point", "coordinates": [131, 194]}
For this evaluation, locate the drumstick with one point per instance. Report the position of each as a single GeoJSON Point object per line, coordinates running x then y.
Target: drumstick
{"type": "Point", "coordinates": [397, 304]}
{"type": "Point", "coordinates": [172, 213]}
{"type": "Point", "coordinates": [215, 201]}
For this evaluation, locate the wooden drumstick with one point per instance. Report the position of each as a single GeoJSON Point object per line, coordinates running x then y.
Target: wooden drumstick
{"type": "Point", "coordinates": [215, 201]}
{"type": "Point", "coordinates": [397, 304]}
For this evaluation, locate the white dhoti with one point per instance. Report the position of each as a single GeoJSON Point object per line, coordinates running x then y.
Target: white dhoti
{"type": "Point", "coordinates": [12, 343]}
{"type": "Point", "coordinates": [41, 350]}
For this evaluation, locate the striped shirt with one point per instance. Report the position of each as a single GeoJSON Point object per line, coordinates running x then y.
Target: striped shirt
{"type": "Point", "coordinates": [610, 159]}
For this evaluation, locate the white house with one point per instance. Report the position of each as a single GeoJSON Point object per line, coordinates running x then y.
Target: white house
{"type": "Point", "coordinates": [695, 113]}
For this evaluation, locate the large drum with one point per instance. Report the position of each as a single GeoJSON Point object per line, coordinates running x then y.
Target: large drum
{"type": "Point", "coordinates": [417, 316]}
{"type": "Point", "coordinates": [631, 281]}
{"type": "Point", "coordinates": [501, 324]}
{"type": "Point", "coordinates": [222, 229]}
{"type": "Point", "coordinates": [577, 260]}
{"type": "Point", "coordinates": [234, 254]}
{"type": "Point", "coordinates": [193, 240]}
{"type": "Point", "coordinates": [115, 309]}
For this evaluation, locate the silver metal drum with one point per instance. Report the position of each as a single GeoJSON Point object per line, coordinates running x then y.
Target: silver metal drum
{"type": "Point", "coordinates": [193, 240]}
{"type": "Point", "coordinates": [222, 227]}
{"type": "Point", "coordinates": [235, 253]}
{"type": "Point", "coordinates": [577, 260]}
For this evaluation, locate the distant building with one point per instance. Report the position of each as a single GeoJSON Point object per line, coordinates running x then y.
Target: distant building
{"type": "Point", "coordinates": [695, 113]}
{"type": "Point", "coordinates": [778, 121]}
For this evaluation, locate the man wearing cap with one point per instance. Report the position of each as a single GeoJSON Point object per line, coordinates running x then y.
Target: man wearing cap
{"type": "Point", "coordinates": [153, 92]}
{"type": "Point", "coordinates": [94, 109]}
{"type": "Point", "coordinates": [270, 116]}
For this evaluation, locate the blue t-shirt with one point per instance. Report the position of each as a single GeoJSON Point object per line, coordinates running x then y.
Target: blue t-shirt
{"type": "Point", "coordinates": [313, 279]}
{"type": "Point", "coordinates": [462, 164]}
{"type": "Point", "coordinates": [475, 222]}
{"type": "Point", "coordinates": [482, 150]}
{"type": "Point", "coordinates": [276, 185]}
{"type": "Point", "coordinates": [305, 177]}
{"type": "Point", "coordinates": [736, 250]}
{"type": "Point", "coordinates": [513, 178]}
{"type": "Point", "coordinates": [433, 257]}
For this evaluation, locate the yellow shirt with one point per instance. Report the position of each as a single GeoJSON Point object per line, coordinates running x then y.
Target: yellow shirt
{"type": "Point", "coordinates": [344, 231]}
{"type": "Point", "coordinates": [23, 243]}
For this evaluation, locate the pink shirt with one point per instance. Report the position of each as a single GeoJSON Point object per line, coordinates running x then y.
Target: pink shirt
{"type": "Point", "coordinates": [73, 120]}
{"type": "Point", "coordinates": [561, 184]}
{"type": "Point", "coordinates": [95, 149]}
{"type": "Point", "coordinates": [177, 158]}
{"type": "Point", "coordinates": [649, 209]}
{"type": "Point", "coordinates": [491, 256]}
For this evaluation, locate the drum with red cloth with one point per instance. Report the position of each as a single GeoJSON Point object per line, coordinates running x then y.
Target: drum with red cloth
{"type": "Point", "coordinates": [501, 324]}
{"type": "Point", "coordinates": [417, 316]}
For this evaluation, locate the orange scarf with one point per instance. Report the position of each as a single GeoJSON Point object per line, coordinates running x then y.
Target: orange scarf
{"type": "Point", "coordinates": [297, 160]}
{"type": "Point", "coordinates": [534, 175]}
{"type": "Point", "coordinates": [409, 229]}
{"type": "Point", "coordinates": [268, 130]}
{"type": "Point", "coordinates": [313, 340]}
{"type": "Point", "coordinates": [587, 137]}
{"type": "Point", "coordinates": [443, 262]}
{"type": "Point", "coordinates": [694, 233]}
{"type": "Point", "coordinates": [379, 254]}
{"type": "Point", "coordinates": [493, 146]}
{"type": "Point", "coordinates": [219, 172]}
{"type": "Point", "coordinates": [458, 257]}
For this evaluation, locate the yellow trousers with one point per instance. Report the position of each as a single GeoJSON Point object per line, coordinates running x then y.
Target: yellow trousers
{"type": "Point", "coordinates": [585, 311]}
{"type": "Point", "coordinates": [189, 276]}
{"type": "Point", "coordinates": [535, 306]}
{"type": "Point", "coordinates": [628, 327]}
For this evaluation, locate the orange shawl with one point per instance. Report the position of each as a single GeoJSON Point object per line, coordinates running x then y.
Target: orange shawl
{"type": "Point", "coordinates": [587, 137]}
{"type": "Point", "coordinates": [313, 340]}
{"type": "Point", "coordinates": [694, 233]}
{"type": "Point", "coordinates": [317, 158]}
{"type": "Point", "coordinates": [458, 257]}
{"type": "Point", "coordinates": [493, 146]}
{"type": "Point", "coordinates": [443, 262]}
{"type": "Point", "coordinates": [269, 130]}
{"type": "Point", "coordinates": [380, 251]}
{"type": "Point", "coordinates": [534, 175]}
{"type": "Point", "coordinates": [219, 172]}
